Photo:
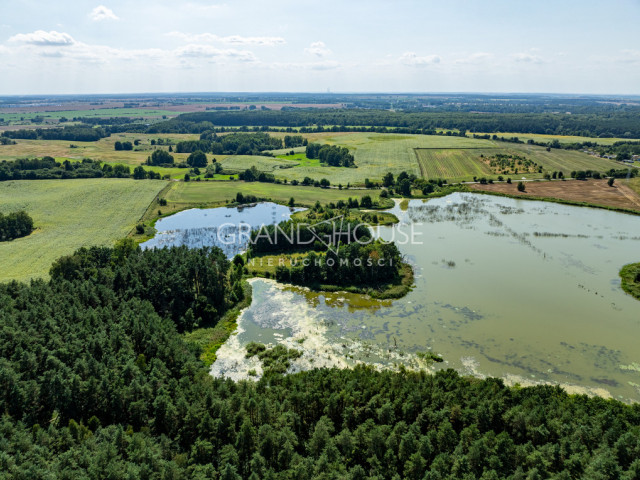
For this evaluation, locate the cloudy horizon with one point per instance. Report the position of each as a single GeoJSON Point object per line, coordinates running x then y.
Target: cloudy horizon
{"type": "Point", "coordinates": [285, 46]}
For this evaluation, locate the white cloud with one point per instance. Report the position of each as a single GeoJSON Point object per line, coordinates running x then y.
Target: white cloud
{"type": "Point", "coordinates": [44, 39]}
{"type": "Point", "coordinates": [207, 51]}
{"type": "Point", "coordinates": [101, 13]}
{"type": "Point", "coordinates": [229, 40]}
{"type": "Point", "coordinates": [412, 59]}
{"type": "Point", "coordinates": [319, 49]}
{"type": "Point", "coordinates": [261, 41]}
{"type": "Point", "coordinates": [527, 58]}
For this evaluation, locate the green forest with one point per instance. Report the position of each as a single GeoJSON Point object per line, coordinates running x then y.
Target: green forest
{"type": "Point", "coordinates": [592, 123]}
{"type": "Point", "coordinates": [96, 382]}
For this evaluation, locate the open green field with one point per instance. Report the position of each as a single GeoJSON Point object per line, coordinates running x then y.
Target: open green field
{"type": "Point", "coordinates": [459, 164]}
{"type": "Point", "coordinates": [16, 118]}
{"type": "Point", "coordinates": [69, 214]}
{"type": "Point", "coordinates": [103, 149]}
{"type": "Point", "coordinates": [561, 138]}
{"type": "Point", "coordinates": [262, 163]}
{"type": "Point", "coordinates": [375, 155]}
{"type": "Point", "coordinates": [432, 156]}
{"type": "Point", "coordinates": [464, 164]}
{"type": "Point", "coordinates": [302, 160]}
{"type": "Point", "coordinates": [203, 193]}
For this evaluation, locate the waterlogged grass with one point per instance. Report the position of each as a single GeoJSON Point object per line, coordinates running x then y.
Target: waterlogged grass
{"type": "Point", "coordinates": [275, 360]}
{"type": "Point", "coordinates": [69, 214]}
{"type": "Point", "coordinates": [630, 276]}
{"type": "Point", "coordinates": [211, 339]}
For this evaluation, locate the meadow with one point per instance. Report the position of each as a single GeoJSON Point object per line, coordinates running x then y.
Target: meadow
{"type": "Point", "coordinates": [25, 117]}
{"type": "Point", "coordinates": [375, 155]}
{"type": "Point", "coordinates": [536, 137]}
{"type": "Point", "coordinates": [464, 164]}
{"type": "Point", "coordinates": [69, 214]}
{"type": "Point", "coordinates": [217, 193]}
{"type": "Point", "coordinates": [262, 163]}
{"type": "Point", "coordinates": [431, 156]}
{"type": "Point", "coordinates": [459, 164]}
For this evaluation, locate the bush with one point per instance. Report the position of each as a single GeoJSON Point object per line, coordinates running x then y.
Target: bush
{"type": "Point", "coordinates": [197, 159]}
{"type": "Point", "coordinates": [521, 187]}
{"type": "Point", "coordinates": [15, 225]}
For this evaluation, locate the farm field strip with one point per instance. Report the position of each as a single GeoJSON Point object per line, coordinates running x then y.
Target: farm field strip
{"type": "Point", "coordinates": [204, 193]}
{"type": "Point", "coordinates": [69, 214]}
{"type": "Point", "coordinates": [538, 137]}
{"type": "Point", "coordinates": [451, 163]}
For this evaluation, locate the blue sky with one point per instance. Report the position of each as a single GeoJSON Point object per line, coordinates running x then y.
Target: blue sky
{"type": "Point", "coordinates": [311, 46]}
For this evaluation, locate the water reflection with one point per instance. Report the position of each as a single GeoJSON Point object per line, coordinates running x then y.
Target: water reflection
{"type": "Point", "coordinates": [225, 227]}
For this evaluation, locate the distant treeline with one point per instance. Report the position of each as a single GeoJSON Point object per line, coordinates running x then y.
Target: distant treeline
{"type": "Point", "coordinates": [74, 133]}
{"type": "Point", "coordinates": [108, 120]}
{"type": "Point", "coordinates": [622, 123]}
{"type": "Point", "coordinates": [48, 168]}
{"type": "Point", "coordinates": [623, 150]}
{"type": "Point", "coordinates": [232, 144]}
{"type": "Point", "coordinates": [15, 225]}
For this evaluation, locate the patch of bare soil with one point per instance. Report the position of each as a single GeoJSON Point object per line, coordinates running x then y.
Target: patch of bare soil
{"type": "Point", "coordinates": [589, 191]}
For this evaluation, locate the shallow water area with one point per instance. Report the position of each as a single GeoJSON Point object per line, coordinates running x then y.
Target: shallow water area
{"type": "Point", "coordinates": [523, 290]}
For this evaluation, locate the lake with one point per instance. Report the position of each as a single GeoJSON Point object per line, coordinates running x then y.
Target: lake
{"type": "Point", "coordinates": [225, 227]}
{"type": "Point", "coordinates": [523, 290]}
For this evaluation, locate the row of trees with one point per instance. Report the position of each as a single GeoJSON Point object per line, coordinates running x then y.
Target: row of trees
{"type": "Point", "coordinates": [293, 141]}
{"type": "Point", "coordinates": [253, 175]}
{"type": "Point", "coordinates": [95, 382]}
{"type": "Point", "coordinates": [231, 144]}
{"type": "Point", "coordinates": [15, 225]}
{"type": "Point", "coordinates": [48, 168]}
{"type": "Point", "coordinates": [76, 133]}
